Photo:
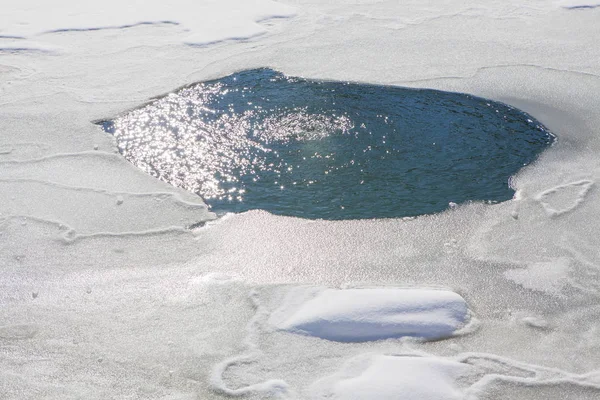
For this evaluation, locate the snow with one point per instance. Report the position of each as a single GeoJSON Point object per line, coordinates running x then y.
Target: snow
{"type": "Point", "coordinates": [105, 300]}
{"type": "Point", "coordinates": [354, 315]}
{"type": "Point", "coordinates": [578, 4]}
{"type": "Point", "coordinates": [564, 198]}
{"type": "Point", "coordinates": [550, 277]}
{"type": "Point", "coordinates": [204, 21]}
{"type": "Point", "coordinates": [390, 377]}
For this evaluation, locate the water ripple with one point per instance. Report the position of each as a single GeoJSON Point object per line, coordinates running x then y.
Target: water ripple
{"type": "Point", "coordinates": [334, 150]}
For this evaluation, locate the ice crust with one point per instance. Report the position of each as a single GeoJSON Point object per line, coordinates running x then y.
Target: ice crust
{"type": "Point", "coordinates": [204, 21]}
{"type": "Point", "coordinates": [356, 315]}
{"type": "Point", "coordinates": [110, 287]}
{"type": "Point", "coordinates": [550, 277]}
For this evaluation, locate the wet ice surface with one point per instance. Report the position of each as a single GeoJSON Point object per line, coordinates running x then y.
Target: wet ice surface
{"type": "Point", "coordinates": [466, 376]}
{"type": "Point", "coordinates": [105, 295]}
{"type": "Point", "coordinates": [333, 150]}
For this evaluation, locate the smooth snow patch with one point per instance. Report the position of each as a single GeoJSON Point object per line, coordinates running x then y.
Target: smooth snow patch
{"type": "Point", "coordinates": [22, 331]}
{"type": "Point", "coordinates": [207, 21]}
{"type": "Point", "coordinates": [549, 277]}
{"type": "Point", "coordinates": [466, 376]}
{"type": "Point", "coordinates": [357, 315]}
{"type": "Point", "coordinates": [393, 377]}
{"type": "Point", "coordinates": [125, 212]}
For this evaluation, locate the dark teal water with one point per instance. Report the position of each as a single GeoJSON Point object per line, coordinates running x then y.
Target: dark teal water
{"type": "Point", "coordinates": [334, 150]}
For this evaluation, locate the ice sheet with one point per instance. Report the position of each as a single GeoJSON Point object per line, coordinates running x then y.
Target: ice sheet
{"type": "Point", "coordinates": [137, 312]}
{"type": "Point", "coordinates": [550, 276]}
{"type": "Point", "coordinates": [204, 21]}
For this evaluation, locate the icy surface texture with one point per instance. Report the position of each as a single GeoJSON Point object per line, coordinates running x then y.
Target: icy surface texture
{"type": "Point", "coordinates": [332, 150]}
{"type": "Point", "coordinates": [578, 4]}
{"type": "Point", "coordinates": [385, 369]}
{"type": "Point", "coordinates": [143, 307]}
{"type": "Point", "coordinates": [389, 377]}
{"type": "Point", "coordinates": [356, 315]}
{"type": "Point", "coordinates": [204, 21]}
{"type": "Point", "coordinates": [466, 376]}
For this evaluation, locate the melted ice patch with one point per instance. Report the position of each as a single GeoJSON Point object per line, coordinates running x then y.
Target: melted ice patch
{"type": "Point", "coordinates": [357, 315]}
{"type": "Point", "coordinates": [206, 21]}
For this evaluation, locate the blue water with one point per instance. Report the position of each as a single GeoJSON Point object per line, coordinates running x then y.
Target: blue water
{"type": "Point", "coordinates": [334, 150]}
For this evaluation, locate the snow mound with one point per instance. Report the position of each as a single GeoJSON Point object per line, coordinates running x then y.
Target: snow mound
{"type": "Point", "coordinates": [392, 377]}
{"type": "Point", "coordinates": [358, 315]}
{"type": "Point", "coordinates": [206, 21]}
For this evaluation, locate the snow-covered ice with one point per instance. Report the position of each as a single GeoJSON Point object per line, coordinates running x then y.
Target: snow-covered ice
{"type": "Point", "coordinates": [203, 21]}
{"type": "Point", "coordinates": [354, 315]}
{"type": "Point", "coordinates": [550, 277]}
{"type": "Point", "coordinates": [389, 377]}
{"type": "Point", "coordinates": [110, 286]}
{"type": "Point", "coordinates": [415, 376]}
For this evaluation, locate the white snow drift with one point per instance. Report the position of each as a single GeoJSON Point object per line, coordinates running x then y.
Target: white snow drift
{"type": "Point", "coordinates": [388, 377]}
{"type": "Point", "coordinates": [354, 315]}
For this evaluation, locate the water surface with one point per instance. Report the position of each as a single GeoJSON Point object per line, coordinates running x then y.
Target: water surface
{"type": "Point", "coordinates": [259, 139]}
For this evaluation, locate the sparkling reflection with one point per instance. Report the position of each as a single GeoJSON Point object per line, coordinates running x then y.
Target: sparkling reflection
{"type": "Point", "coordinates": [335, 150]}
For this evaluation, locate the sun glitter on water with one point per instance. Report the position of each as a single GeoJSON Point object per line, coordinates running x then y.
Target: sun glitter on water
{"type": "Point", "coordinates": [334, 150]}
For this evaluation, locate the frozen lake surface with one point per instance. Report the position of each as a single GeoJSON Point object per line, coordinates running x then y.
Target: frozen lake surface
{"type": "Point", "coordinates": [115, 284]}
